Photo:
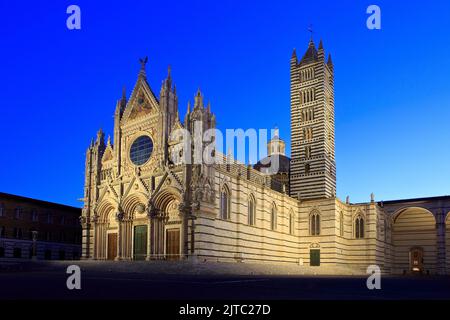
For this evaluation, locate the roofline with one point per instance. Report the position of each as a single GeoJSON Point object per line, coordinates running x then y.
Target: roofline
{"type": "Point", "coordinates": [437, 198]}
{"type": "Point", "coordinates": [37, 201]}
{"type": "Point", "coordinates": [445, 197]}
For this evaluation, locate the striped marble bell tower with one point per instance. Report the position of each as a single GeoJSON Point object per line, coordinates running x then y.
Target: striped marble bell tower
{"type": "Point", "coordinates": [313, 166]}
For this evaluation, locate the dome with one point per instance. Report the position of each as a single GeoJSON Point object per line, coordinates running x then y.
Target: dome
{"type": "Point", "coordinates": [284, 163]}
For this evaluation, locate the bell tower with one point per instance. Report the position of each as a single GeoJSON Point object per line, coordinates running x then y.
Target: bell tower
{"type": "Point", "coordinates": [313, 166]}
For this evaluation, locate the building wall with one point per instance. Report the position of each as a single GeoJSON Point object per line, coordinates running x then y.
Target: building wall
{"type": "Point", "coordinates": [14, 248]}
{"type": "Point", "coordinates": [415, 227]}
{"type": "Point", "coordinates": [361, 252]}
{"type": "Point", "coordinates": [447, 243]}
{"type": "Point", "coordinates": [234, 239]}
{"type": "Point", "coordinates": [57, 226]}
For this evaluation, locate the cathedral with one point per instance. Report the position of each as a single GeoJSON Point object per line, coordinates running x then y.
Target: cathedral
{"type": "Point", "coordinates": [141, 204]}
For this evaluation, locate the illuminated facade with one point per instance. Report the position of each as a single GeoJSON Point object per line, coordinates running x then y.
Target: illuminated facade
{"type": "Point", "coordinates": [140, 204]}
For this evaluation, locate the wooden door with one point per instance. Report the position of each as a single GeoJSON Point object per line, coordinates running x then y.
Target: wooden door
{"type": "Point", "coordinates": [140, 242]}
{"type": "Point", "coordinates": [314, 257]}
{"type": "Point", "coordinates": [416, 257]}
{"type": "Point", "coordinates": [112, 246]}
{"type": "Point", "coordinates": [173, 244]}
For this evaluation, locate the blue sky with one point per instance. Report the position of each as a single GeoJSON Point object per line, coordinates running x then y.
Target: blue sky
{"type": "Point", "coordinates": [57, 86]}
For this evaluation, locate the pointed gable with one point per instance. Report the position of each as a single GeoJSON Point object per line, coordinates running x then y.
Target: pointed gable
{"type": "Point", "coordinates": [108, 154]}
{"type": "Point", "coordinates": [142, 101]}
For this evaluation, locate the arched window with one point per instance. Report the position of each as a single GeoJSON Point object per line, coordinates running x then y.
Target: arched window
{"type": "Point", "coordinates": [341, 224]}
{"type": "Point", "coordinates": [291, 222]}
{"type": "Point", "coordinates": [307, 168]}
{"type": "Point", "coordinates": [273, 217]}
{"type": "Point", "coordinates": [251, 210]}
{"type": "Point", "coordinates": [359, 227]}
{"type": "Point", "coordinates": [314, 224]}
{"type": "Point", "coordinates": [225, 203]}
{"type": "Point", "coordinates": [307, 151]}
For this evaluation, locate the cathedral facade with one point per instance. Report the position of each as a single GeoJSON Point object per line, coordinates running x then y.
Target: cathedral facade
{"type": "Point", "coordinates": [142, 204]}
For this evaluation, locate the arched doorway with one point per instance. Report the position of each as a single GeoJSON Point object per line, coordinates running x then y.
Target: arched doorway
{"type": "Point", "coordinates": [134, 227]}
{"type": "Point", "coordinates": [414, 241]}
{"type": "Point", "coordinates": [105, 232]}
{"type": "Point", "coordinates": [167, 232]}
{"type": "Point", "coordinates": [173, 231]}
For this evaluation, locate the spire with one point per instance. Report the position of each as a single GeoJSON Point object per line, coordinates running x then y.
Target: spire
{"type": "Point", "coordinates": [169, 78]}
{"type": "Point", "coordinates": [276, 133]}
{"type": "Point", "coordinates": [321, 45]}
{"type": "Point", "coordinates": [209, 107]}
{"type": "Point", "coordinates": [121, 104]}
{"type": "Point", "coordinates": [109, 140]}
{"type": "Point", "coordinates": [100, 136]}
{"type": "Point", "coordinates": [229, 156]}
{"type": "Point", "coordinates": [198, 100]}
{"type": "Point", "coordinates": [310, 54]}
{"type": "Point", "coordinates": [321, 51]}
{"type": "Point", "coordinates": [143, 62]}
{"type": "Point", "coordinates": [123, 101]}
{"type": "Point", "coordinates": [330, 62]}
{"type": "Point", "coordinates": [187, 115]}
{"type": "Point", "coordinates": [294, 54]}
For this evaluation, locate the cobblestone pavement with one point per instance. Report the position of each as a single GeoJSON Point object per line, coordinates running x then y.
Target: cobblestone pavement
{"type": "Point", "coordinates": [185, 280]}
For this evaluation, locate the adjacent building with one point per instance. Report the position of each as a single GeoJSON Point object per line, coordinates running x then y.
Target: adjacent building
{"type": "Point", "coordinates": [31, 228]}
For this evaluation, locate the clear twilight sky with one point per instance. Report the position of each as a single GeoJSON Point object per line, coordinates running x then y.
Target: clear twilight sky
{"type": "Point", "coordinates": [392, 86]}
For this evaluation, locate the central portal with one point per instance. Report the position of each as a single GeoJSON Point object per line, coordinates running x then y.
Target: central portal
{"type": "Point", "coordinates": [173, 244]}
{"type": "Point", "coordinates": [140, 242]}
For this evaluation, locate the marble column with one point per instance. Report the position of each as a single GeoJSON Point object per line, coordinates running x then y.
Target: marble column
{"type": "Point", "coordinates": [94, 220]}
{"type": "Point", "coordinates": [149, 240]}
{"type": "Point", "coordinates": [119, 219]}
{"type": "Point", "coordinates": [85, 238]}
{"type": "Point", "coordinates": [126, 239]}
{"type": "Point", "coordinates": [155, 233]}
